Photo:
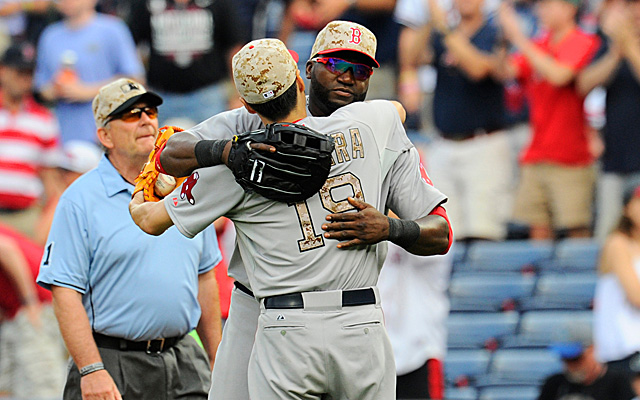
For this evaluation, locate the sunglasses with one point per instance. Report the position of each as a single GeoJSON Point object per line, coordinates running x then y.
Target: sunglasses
{"type": "Point", "coordinates": [339, 66]}
{"type": "Point", "coordinates": [135, 114]}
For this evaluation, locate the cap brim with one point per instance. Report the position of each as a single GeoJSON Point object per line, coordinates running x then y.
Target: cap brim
{"type": "Point", "coordinates": [150, 98]}
{"type": "Point", "coordinates": [567, 351]}
{"type": "Point", "coordinates": [295, 55]}
{"type": "Point", "coordinates": [374, 63]}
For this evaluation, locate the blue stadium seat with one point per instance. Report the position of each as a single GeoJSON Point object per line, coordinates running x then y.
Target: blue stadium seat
{"type": "Point", "coordinates": [459, 250]}
{"type": "Point", "coordinates": [542, 328]}
{"type": "Point", "coordinates": [464, 393]}
{"type": "Point", "coordinates": [465, 365]}
{"type": "Point", "coordinates": [527, 367]}
{"type": "Point", "coordinates": [510, 393]}
{"type": "Point", "coordinates": [488, 292]}
{"type": "Point", "coordinates": [573, 255]}
{"type": "Point", "coordinates": [508, 256]}
{"type": "Point", "coordinates": [476, 330]}
{"type": "Point", "coordinates": [558, 291]}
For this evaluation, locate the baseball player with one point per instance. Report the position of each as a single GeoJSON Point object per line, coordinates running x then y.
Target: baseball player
{"type": "Point", "coordinates": [330, 89]}
{"type": "Point", "coordinates": [320, 327]}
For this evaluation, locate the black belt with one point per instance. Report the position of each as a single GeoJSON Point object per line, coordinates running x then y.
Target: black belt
{"type": "Point", "coordinates": [150, 346]}
{"type": "Point", "coordinates": [470, 135]}
{"type": "Point", "coordinates": [243, 288]}
{"type": "Point", "coordinates": [358, 297]}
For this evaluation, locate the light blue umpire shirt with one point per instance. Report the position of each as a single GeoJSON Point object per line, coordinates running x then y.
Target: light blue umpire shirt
{"type": "Point", "coordinates": [133, 285]}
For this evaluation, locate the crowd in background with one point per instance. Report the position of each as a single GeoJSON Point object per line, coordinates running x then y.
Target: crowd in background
{"type": "Point", "coordinates": [495, 94]}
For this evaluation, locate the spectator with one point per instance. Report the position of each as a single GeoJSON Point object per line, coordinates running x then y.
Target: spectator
{"type": "Point", "coordinates": [22, 19]}
{"type": "Point", "coordinates": [470, 159]}
{"type": "Point", "coordinates": [76, 57]}
{"type": "Point", "coordinates": [583, 377]}
{"type": "Point", "coordinates": [418, 334]}
{"type": "Point", "coordinates": [33, 358]}
{"type": "Point", "coordinates": [617, 297]}
{"type": "Point", "coordinates": [556, 185]}
{"type": "Point", "coordinates": [28, 142]}
{"type": "Point", "coordinates": [75, 159]}
{"type": "Point", "coordinates": [125, 301]}
{"type": "Point", "coordinates": [617, 68]}
{"type": "Point", "coordinates": [191, 44]}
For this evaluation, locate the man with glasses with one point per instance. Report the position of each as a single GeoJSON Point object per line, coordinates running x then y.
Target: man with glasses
{"type": "Point", "coordinates": [125, 301]}
{"type": "Point", "coordinates": [334, 84]}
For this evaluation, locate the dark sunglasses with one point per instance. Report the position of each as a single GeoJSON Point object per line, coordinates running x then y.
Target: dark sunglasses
{"type": "Point", "coordinates": [339, 66]}
{"type": "Point", "coordinates": [135, 114]}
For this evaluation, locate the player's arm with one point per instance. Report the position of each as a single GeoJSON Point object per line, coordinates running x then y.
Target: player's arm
{"type": "Point", "coordinates": [426, 236]}
{"type": "Point", "coordinates": [76, 332]}
{"type": "Point", "coordinates": [178, 158]}
{"type": "Point", "coordinates": [151, 217]}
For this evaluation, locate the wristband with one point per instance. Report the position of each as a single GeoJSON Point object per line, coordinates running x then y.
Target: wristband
{"type": "Point", "coordinates": [209, 152]}
{"type": "Point", "coordinates": [87, 369]}
{"type": "Point", "coordinates": [402, 232]}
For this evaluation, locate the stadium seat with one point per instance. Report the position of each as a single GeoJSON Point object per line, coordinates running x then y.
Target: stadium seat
{"type": "Point", "coordinates": [489, 292]}
{"type": "Point", "coordinates": [465, 393]}
{"type": "Point", "coordinates": [542, 328]}
{"type": "Point", "coordinates": [478, 330]}
{"type": "Point", "coordinates": [459, 250]}
{"type": "Point", "coordinates": [510, 393]}
{"type": "Point", "coordinates": [527, 367]}
{"type": "Point", "coordinates": [573, 255]}
{"type": "Point", "coordinates": [560, 291]}
{"type": "Point", "coordinates": [508, 256]}
{"type": "Point", "coordinates": [465, 366]}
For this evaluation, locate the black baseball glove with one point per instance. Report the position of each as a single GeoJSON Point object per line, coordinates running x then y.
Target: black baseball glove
{"type": "Point", "coordinates": [294, 172]}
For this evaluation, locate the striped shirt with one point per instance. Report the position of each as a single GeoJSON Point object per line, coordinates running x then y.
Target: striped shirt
{"type": "Point", "coordinates": [28, 141]}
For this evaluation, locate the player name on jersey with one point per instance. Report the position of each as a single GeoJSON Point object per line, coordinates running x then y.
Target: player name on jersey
{"type": "Point", "coordinates": [347, 147]}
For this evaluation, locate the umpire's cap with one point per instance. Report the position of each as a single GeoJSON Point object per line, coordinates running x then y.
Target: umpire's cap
{"type": "Point", "coordinates": [118, 96]}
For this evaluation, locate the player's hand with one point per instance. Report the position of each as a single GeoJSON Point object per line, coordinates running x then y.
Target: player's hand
{"type": "Point", "coordinates": [99, 386]}
{"type": "Point", "coordinates": [366, 226]}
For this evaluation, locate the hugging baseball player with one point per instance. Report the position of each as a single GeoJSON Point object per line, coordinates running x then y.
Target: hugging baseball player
{"type": "Point", "coordinates": [320, 330]}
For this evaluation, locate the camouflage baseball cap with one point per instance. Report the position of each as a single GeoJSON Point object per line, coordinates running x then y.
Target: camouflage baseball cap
{"type": "Point", "coordinates": [118, 96]}
{"type": "Point", "coordinates": [263, 70]}
{"type": "Point", "coordinates": [346, 36]}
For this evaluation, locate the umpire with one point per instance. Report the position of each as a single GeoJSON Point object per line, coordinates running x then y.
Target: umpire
{"type": "Point", "coordinates": [124, 300]}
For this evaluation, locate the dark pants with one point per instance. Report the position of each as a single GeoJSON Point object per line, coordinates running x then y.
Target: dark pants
{"type": "Point", "coordinates": [182, 372]}
{"type": "Point", "coordinates": [426, 382]}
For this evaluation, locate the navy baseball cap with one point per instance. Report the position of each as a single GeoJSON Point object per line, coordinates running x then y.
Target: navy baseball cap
{"type": "Point", "coordinates": [20, 55]}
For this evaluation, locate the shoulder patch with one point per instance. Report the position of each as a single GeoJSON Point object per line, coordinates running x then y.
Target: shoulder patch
{"type": "Point", "coordinates": [187, 188]}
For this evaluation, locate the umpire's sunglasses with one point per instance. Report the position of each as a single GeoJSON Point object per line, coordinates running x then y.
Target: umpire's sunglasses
{"type": "Point", "coordinates": [134, 114]}
{"type": "Point", "coordinates": [339, 66]}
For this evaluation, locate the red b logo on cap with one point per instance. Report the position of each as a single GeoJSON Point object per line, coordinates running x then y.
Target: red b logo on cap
{"type": "Point", "coordinates": [356, 36]}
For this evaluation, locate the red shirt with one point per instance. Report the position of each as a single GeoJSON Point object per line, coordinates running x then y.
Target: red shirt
{"type": "Point", "coordinates": [556, 113]}
{"type": "Point", "coordinates": [9, 299]}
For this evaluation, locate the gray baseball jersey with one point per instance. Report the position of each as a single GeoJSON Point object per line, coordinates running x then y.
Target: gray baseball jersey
{"type": "Point", "coordinates": [282, 244]}
{"type": "Point", "coordinates": [224, 126]}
